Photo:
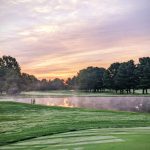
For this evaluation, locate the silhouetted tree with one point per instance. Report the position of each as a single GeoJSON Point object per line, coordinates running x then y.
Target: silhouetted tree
{"type": "Point", "coordinates": [57, 84]}
{"type": "Point", "coordinates": [2, 76]}
{"type": "Point", "coordinates": [119, 76]}
{"type": "Point", "coordinates": [107, 80]}
{"type": "Point", "coordinates": [144, 73]}
{"type": "Point", "coordinates": [10, 75]}
{"type": "Point", "coordinates": [125, 78]}
{"type": "Point", "coordinates": [113, 69]}
{"type": "Point", "coordinates": [90, 79]}
{"type": "Point", "coordinates": [45, 85]}
{"type": "Point", "coordinates": [72, 83]}
{"type": "Point", "coordinates": [132, 78]}
{"type": "Point", "coordinates": [29, 82]}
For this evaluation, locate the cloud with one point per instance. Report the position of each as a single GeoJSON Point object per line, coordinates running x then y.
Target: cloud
{"type": "Point", "coordinates": [63, 36]}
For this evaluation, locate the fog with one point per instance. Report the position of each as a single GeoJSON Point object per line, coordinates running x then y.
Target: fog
{"type": "Point", "coordinates": [137, 104]}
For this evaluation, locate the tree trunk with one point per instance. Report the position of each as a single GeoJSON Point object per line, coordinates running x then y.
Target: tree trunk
{"type": "Point", "coordinates": [130, 91]}
{"type": "Point", "coordinates": [146, 91]}
{"type": "Point", "coordinates": [143, 92]}
{"type": "Point", "coordinates": [116, 91]}
{"type": "Point", "coordinates": [121, 91]}
{"type": "Point", "coordinates": [127, 91]}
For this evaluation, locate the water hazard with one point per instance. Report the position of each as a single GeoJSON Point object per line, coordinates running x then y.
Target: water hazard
{"type": "Point", "coordinates": [141, 104]}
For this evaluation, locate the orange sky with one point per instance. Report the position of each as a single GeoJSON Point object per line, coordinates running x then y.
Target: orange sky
{"type": "Point", "coordinates": [58, 38]}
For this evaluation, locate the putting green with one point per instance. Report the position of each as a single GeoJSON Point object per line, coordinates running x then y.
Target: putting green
{"type": "Point", "coordinates": [93, 139]}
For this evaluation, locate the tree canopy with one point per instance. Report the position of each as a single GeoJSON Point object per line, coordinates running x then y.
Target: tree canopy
{"type": "Point", "coordinates": [123, 77]}
{"type": "Point", "coordinates": [90, 78]}
{"type": "Point", "coordinates": [10, 74]}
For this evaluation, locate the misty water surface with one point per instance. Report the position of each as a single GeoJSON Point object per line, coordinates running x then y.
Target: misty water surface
{"type": "Point", "coordinates": [141, 104]}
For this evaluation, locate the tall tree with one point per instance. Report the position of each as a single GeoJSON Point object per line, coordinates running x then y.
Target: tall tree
{"type": "Point", "coordinates": [107, 80]}
{"type": "Point", "coordinates": [29, 82]}
{"type": "Point", "coordinates": [2, 76]}
{"type": "Point", "coordinates": [91, 78]}
{"type": "Point", "coordinates": [57, 84]}
{"type": "Point", "coordinates": [72, 83]}
{"type": "Point", "coordinates": [144, 73]}
{"type": "Point", "coordinates": [121, 78]}
{"type": "Point", "coordinates": [132, 78]}
{"type": "Point", "coordinates": [10, 73]}
{"type": "Point", "coordinates": [113, 69]}
{"type": "Point", "coordinates": [125, 78]}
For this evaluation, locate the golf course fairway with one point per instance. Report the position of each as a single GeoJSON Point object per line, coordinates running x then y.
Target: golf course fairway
{"type": "Point", "coordinates": [30, 127]}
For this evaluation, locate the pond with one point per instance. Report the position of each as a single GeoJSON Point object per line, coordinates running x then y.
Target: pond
{"type": "Point", "coordinates": [140, 104]}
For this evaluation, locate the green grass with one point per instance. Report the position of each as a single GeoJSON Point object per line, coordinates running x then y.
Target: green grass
{"type": "Point", "coordinates": [79, 93]}
{"type": "Point", "coordinates": [91, 139]}
{"type": "Point", "coordinates": [68, 93]}
{"type": "Point", "coordinates": [19, 122]}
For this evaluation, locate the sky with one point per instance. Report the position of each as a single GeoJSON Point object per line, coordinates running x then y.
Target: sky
{"type": "Point", "coordinates": [57, 38]}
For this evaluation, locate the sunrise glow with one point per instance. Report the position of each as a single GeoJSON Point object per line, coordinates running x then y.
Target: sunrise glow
{"type": "Point", "coordinates": [57, 38]}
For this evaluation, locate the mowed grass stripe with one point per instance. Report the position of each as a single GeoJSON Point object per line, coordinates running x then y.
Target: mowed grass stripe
{"type": "Point", "coordinates": [71, 135]}
{"type": "Point", "coordinates": [33, 121]}
{"type": "Point", "coordinates": [56, 143]}
{"type": "Point", "coordinates": [66, 140]}
{"type": "Point", "coordinates": [15, 147]}
{"type": "Point", "coordinates": [91, 142]}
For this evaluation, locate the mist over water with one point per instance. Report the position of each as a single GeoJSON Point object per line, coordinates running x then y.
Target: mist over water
{"type": "Point", "coordinates": [137, 104]}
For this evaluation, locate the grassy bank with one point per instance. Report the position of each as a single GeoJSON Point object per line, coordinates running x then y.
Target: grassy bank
{"type": "Point", "coordinates": [19, 122]}
{"type": "Point", "coordinates": [69, 93]}
{"type": "Point", "coordinates": [61, 93]}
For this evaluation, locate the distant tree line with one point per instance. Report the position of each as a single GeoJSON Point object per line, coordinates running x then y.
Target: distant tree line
{"type": "Point", "coordinates": [12, 81]}
{"type": "Point", "coordinates": [122, 77]}
{"type": "Point", "coordinates": [119, 77]}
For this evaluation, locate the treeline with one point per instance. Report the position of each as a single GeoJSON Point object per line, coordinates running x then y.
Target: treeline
{"type": "Point", "coordinates": [12, 81]}
{"type": "Point", "coordinates": [123, 77]}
